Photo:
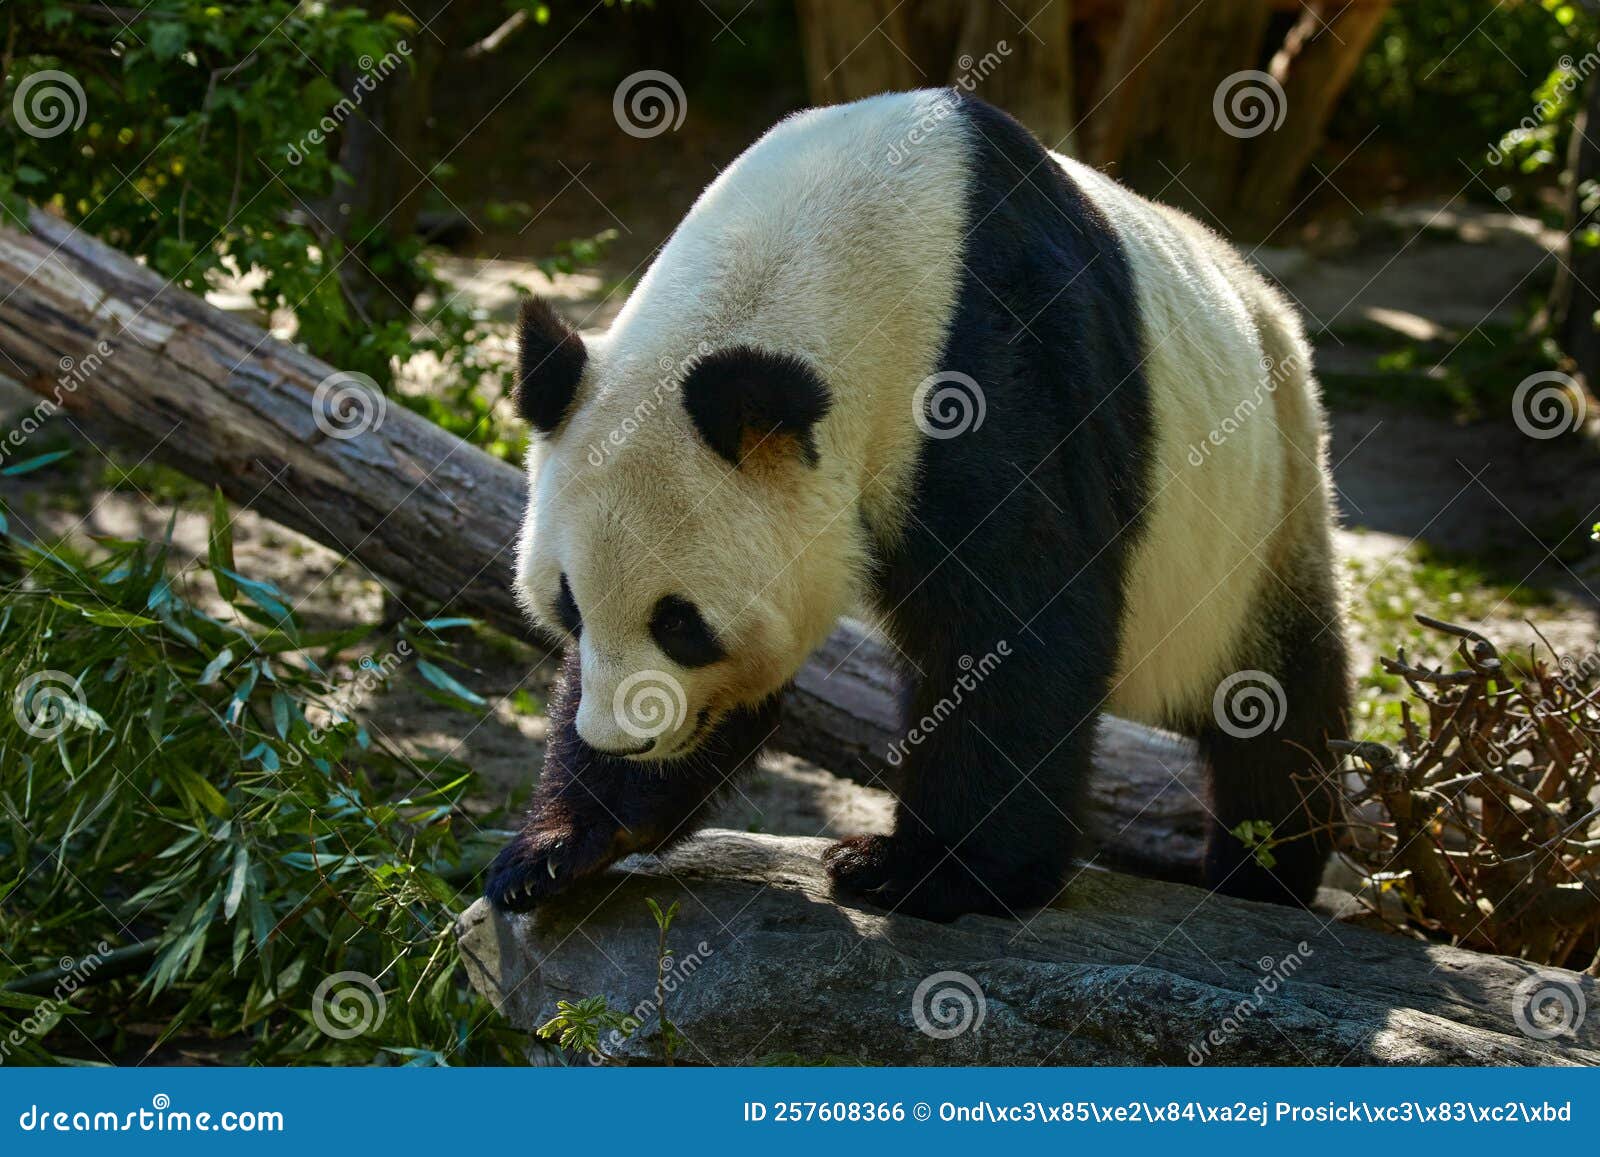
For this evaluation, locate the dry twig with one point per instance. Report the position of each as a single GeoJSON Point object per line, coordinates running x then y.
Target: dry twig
{"type": "Point", "coordinates": [1484, 823]}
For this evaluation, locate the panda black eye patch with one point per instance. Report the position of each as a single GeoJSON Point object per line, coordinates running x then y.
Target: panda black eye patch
{"type": "Point", "coordinates": [682, 634]}
{"type": "Point", "coordinates": [567, 609]}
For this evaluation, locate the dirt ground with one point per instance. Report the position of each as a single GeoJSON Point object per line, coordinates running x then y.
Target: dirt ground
{"type": "Point", "coordinates": [1517, 507]}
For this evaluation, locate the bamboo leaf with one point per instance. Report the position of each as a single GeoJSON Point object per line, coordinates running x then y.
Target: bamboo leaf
{"type": "Point", "coordinates": [220, 547]}
{"type": "Point", "coordinates": [446, 683]}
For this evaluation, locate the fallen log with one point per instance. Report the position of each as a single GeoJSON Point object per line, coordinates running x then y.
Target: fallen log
{"type": "Point", "coordinates": [132, 357]}
{"type": "Point", "coordinates": [1118, 971]}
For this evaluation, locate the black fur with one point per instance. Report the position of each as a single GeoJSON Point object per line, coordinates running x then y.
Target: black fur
{"type": "Point", "coordinates": [1048, 325]}
{"type": "Point", "coordinates": [1283, 776]}
{"type": "Point", "coordinates": [591, 809]}
{"type": "Point", "coordinates": [683, 634]}
{"type": "Point", "coordinates": [566, 609]}
{"type": "Point", "coordinates": [1005, 590]}
{"type": "Point", "coordinates": [1041, 505]}
{"type": "Point", "coordinates": [741, 396]}
{"type": "Point", "coordinates": [550, 362]}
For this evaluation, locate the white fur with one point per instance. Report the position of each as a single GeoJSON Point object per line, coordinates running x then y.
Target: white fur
{"type": "Point", "coordinates": [838, 237]}
{"type": "Point", "coordinates": [1223, 355]}
{"type": "Point", "coordinates": [814, 242]}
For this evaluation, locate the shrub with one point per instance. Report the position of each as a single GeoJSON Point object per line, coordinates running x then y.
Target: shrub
{"type": "Point", "coordinates": [1485, 823]}
{"type": "Point", "coordinates": [188, 797]}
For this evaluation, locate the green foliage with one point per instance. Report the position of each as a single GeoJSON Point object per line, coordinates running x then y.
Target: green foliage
{"type": "Point", "coordinates": [670, 1036]}
{"type": "Point", "coordinates": [1386, 595]}
{"type": "Point", "coordinates": [581, 1025]}
{"type": "Point", "coordinates": [185, 781]}
{"type": "Point", "coordinates": [1257, 836]}
{"type": "Point", "coordinates": [1450, 79]}
{"type": "Point", "coordinates": [1470, 378]}
{"type": "Point", "coordinates": [203, 149]}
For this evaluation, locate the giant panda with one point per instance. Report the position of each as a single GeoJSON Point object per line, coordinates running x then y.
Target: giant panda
{"type": "Point", "coordinates": [899, 357]}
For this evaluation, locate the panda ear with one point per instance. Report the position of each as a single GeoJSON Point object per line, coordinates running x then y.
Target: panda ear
{"type": "Point", "coordinates": [550, 362]}
{"type": "Point", "coordinates": [754, 407]}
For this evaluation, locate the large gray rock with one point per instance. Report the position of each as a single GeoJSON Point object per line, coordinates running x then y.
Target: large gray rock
{"type": "Point", "coordinates": [1120, 971]}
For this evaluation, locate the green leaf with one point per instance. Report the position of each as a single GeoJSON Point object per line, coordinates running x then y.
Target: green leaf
{"type": "Point", "coordinates": [280, 714]}
{"type": "Point", "coordinates": [215, 668]}
{"type": "Point", "coordinates": [167, 40]}
{"type": "Point", "coordinates": [236, 881]}
{"type": "Point", "coordinates": [104, 616]}
{"type": "Point", "coordinates": [264, 595]}
{"type": "Point", "coordinates": [27, 466]}
{"type": "Point", "coordinates": [449, 685]}
{"type": "Point", "coordinates": [220, 547]}
{"type": "Point", "coordinates": [199, 789]}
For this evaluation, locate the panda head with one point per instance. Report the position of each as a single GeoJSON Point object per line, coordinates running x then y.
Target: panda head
{"type": "Point", "coordinates": [685, 529]}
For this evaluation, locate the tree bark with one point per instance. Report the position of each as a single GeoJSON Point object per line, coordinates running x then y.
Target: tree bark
{"type": "Point", "coordinates": [1025, 70]}
{"type": "Point", "coordinates": [223, 402]}
{"type": "Point", "coordinates": [1121, 81]}
{"type": "Point", "coordinates": [856, 48]}
{"type": "Point", "coordinates": [1318, 57]}
{"type": "Point", "coordinates": [1177, 150]}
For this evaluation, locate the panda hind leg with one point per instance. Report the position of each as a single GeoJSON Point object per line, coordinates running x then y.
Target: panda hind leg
{"type": "Point", "coordinates": [1266, 741]}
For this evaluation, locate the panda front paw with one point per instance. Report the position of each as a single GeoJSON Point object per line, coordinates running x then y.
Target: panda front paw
{"type": "Point", "coordinates": [542, 862]}
{"type": "Point", "coordinates": [923, 879]}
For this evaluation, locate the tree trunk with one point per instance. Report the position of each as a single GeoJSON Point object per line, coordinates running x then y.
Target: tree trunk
{"type": "Point", "coordinates": [1122, 78]}
{"type": "Point", "coordinates": [223, 402]}
{"type": "Point", "coordinates": [1025, 70]}
{"type": "Point", "coordinates": [1176, 97]}
{"type": "Point", "coordinates": [1314, 67]}
{"type": "Point", "coordinates": [855, 48]}
{"type": "Point", "coordinates": [1178, 151]}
